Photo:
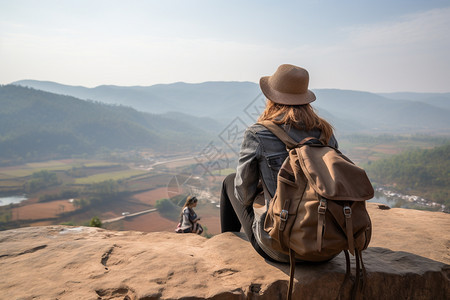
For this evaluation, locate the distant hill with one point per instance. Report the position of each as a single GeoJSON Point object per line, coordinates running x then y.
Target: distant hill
{"type": "Point", "coordinates": [375, 113]}
{"type": "Point", "coordinates": [36, 124]}
{"type": "Point", "coordinates": [209, 99]}
{"type": "Point", "coordinates": [349, 111]}
{"type": "Point", "coordinates": [441, 100]}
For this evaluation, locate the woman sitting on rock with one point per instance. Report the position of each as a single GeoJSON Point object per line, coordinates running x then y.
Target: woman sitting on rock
{"type": "Point", "coordinates": [188, 219]}
{"type": "Point", "coordinates": [262, 153]}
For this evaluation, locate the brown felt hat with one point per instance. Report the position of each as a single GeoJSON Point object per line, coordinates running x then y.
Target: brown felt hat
{"type": "Point", "coordinates": [288, 86]}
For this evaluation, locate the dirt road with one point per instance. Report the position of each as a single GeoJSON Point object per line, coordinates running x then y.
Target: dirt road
{"type": "Point", "coordinates": [130, 215]}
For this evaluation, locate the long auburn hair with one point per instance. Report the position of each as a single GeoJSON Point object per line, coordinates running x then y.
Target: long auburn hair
{"type": "Point", "coordinates": [302, 117]}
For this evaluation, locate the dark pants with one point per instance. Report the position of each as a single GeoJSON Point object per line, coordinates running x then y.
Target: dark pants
{"type": "Point", "coordinates": [234, 215]}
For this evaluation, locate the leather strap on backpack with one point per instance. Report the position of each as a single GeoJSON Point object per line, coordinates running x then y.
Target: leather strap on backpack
{"type": "Point", "coordinates": [284, 215]}
{"type": "Point", "coordinates": [360, 278]}
{"type": "Point", "coordinates": [321, 222]}
{"type": "Point", "coordinates": [349, 228]}
{"type": "Point", "coordinates": [280, 133]}
{"type": "Point", "coordinates": [308, 139]}
{"type": "Point", "coordinates": [282, 220]}
{"type": "Point", "coordinates": [291, 274]}
{"type": "Point", "coordinates": [359, 282]}
{"type": "Point", "coordinates": [347, 275]}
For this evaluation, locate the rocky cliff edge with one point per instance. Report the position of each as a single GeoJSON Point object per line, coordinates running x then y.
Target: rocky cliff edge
{"type": "Point", "coordinates": [408, 259]}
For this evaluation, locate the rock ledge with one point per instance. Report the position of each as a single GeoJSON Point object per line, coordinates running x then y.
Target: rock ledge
{"type": "Point", "coordinates": [59, 262]}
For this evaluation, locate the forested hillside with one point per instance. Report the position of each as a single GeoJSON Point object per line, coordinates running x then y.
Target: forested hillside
{"type": "Point", "coordinates": [41, 125]}
{"type": "Point", "coordinates": [420, 172]}
{"type": "Point", "coordinates": [219, 100]}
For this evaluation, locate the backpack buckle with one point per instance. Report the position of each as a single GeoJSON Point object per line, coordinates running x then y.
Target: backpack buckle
{"type": "Point", "coordinates": [284, 215]}
{"type": "Point", "coordinates": [347, 211]}
{"type": "Point", "coordinates": [322, 206]}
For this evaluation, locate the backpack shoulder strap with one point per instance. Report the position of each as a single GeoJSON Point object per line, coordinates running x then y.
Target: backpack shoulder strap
{"type": "Point", "coordinates": [285, 138]}
{"type": "Point", "coordinates": [279, 133]}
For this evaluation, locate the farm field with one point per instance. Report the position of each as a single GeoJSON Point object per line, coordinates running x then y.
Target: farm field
{"type": "Point", "coordinates": [140, 188]}
{"type": "Point", "coordinates": [46, 210]}
{"type": "Point", "coordinates": [53, 165]}
{"type": "Point", "coordinates": [116, 175]}
{"type": "Point", "coordinates": [150, 197]}
{"type": "Point", "coordinates": [143, 189]}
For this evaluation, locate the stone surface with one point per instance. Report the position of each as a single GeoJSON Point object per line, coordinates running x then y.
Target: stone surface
{"type": "Point", "coordinates": [424, 233]}
{"type": "Point", "coordinates": [59, 262]}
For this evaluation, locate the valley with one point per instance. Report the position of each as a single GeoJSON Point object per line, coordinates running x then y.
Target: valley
{"type": "Point", "coordinates": [74, 160]}
{"type": "Point", "coordinates": [137, 186]}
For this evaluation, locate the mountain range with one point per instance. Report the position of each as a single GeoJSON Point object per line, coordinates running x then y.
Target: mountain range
{"type": "Point", "coordinates": [349, 111]}
{"type": "Point", "coordinates": [40, 125]}
{"type": "Point", "coordinates": [44, 120]}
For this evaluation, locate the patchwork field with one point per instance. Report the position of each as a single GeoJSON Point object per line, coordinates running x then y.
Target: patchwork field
{"type": "Point", "coordinates": [150, 197]}
{"type": "Point", "coordinates": [54, 165]}
{"type": "Point", "coordinates": [145, 188]}
{"type": "Point", "coordinates": [45, 210]}
{"type": "Point", "coordinates": [142, 187]}
{"type": "Point", "coordinates": [116, 175]}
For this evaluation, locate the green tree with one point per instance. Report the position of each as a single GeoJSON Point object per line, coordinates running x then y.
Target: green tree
{"type": "Point", "coordinates": [205, 233]}
{"type": "Point", "coordinates": [168, 210]}
{"type": "Point", "coordinates": [107, 188]}
{"type": "Point", "coordinates": [41, 180]}
{"type": "Point", "coordinates": [5, 216]}
{"type": "Point", "coordinates": [95, 222]}
{"type": "Point", "coordinates": [424, 172]}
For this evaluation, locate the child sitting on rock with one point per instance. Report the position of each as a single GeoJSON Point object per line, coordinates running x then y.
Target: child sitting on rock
{"type": "Point", "coordinates": [188, 219]}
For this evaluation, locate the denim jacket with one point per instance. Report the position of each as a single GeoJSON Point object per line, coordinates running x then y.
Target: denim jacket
{"type": "Point", "coordinates": [261, 156]}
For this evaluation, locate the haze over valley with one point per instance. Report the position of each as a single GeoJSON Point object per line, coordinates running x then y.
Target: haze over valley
{"type": "Point", "coordinates": [118, 153]}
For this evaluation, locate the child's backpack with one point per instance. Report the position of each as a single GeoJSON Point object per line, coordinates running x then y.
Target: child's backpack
{"type": "Point", "coordinates": [319, 206]}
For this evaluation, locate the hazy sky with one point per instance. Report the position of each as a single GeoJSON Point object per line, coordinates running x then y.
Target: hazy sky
{"type": "Point", "coordinates": [378, 46]}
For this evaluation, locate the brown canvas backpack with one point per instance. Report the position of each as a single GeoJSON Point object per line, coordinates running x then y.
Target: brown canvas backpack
{"type": "Point", "coordinates": [319, 207]}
